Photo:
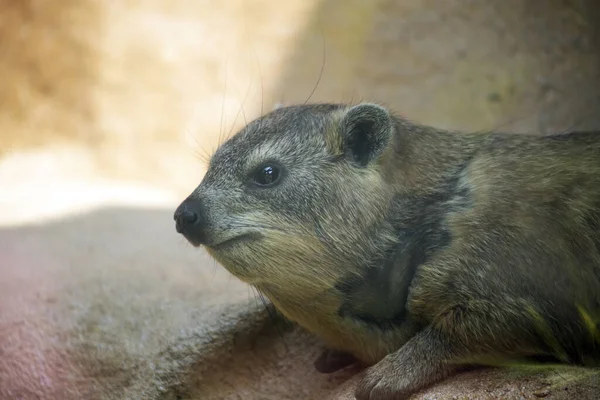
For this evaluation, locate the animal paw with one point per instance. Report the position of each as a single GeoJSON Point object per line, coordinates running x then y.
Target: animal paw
{"type": "Point", "coordinates": [384, 381]}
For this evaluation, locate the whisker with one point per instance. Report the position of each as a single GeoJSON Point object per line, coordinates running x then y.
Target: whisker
{"type": "Point", "coordinates": [272, 318]}
{"type": "Point", "coordinates": [241, 109]}
{"type": "Point", "coordinates": [255, 293]}
{"type": "Point", "coordinates": [262, 91]}
{"type": "Point", "coordinates": [199, 150]}
{"type": "Point", "coordinates": [215, 266]}
{"type": "Point", "coordinates": [200, 155]}
{"type": "Point", "coordinates": [262, 88]}
{"type": "Point", "coordinates": [322, 64]}
{"type": "Point", "coordinates": [223, 102]}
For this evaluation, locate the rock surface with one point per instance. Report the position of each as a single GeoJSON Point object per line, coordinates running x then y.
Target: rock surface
{"type": "Point", "coordinates": [103, 108]}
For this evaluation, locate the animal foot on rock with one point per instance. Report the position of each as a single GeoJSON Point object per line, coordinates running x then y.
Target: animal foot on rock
{"type": "Point", "coordinates": [383, 381]}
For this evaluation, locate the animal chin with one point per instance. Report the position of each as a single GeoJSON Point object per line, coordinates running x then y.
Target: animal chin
{"type": "Point", "coordinates": [193, 241]}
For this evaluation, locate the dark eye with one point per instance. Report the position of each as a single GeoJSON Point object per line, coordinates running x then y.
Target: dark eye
{"type": "Point", "coordinates": [267, 175]}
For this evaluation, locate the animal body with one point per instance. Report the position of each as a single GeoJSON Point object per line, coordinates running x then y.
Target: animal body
{"type": "Point", "coordinates": [409, 248]}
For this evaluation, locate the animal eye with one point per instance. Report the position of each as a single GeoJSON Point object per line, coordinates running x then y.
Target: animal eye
{"type": "Point", "coordinates": [267, 175]}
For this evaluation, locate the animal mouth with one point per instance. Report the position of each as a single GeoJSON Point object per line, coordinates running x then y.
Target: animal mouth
{"type": "Point", "coordinates": [240, 239]}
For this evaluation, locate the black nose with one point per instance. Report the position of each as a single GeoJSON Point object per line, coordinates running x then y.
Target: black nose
{"type": "Point", "coordinates": [184, 218]}
{"type": "Point", "coordinates": [189, 221]}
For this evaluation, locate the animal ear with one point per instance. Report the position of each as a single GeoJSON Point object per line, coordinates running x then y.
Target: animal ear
{"type": "Point", "coordinates": [366, 130]}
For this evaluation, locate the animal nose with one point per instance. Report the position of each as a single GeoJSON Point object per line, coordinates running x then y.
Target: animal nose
{"type": "Point", "coordinates": [189, 221]}
{"type": "Point", "coordinates": [183, 218]}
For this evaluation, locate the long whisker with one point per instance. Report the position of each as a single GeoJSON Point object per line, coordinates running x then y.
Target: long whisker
{"type": "Point", "coordinates": [215, 266]}
{"type": "Point", "coordinates": [262, 91]}
{"type": "Point", "coordinates": [262, 87]}
{"type": "Point", "coordinates": [241, 109]}
{"type": "Point", "coordinates": [272, 317]}
{"type": "Point", "coordinates": [254, 292]}
{"type": "Point", "coordinates": [223, 101]}
{"type": "Point", "coordinates": [322, 64]}
{"type": "Point", "coordinates": [199, 153]}
{"type": "Point", "coordinates": [199, 150]}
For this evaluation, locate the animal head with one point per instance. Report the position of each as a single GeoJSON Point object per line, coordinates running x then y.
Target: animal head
{"type": "Point", "coordinates": [295, 197]}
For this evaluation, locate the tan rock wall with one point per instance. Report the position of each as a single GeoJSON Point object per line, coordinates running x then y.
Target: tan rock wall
{"type": "Point", "coordinates": [148, 84]}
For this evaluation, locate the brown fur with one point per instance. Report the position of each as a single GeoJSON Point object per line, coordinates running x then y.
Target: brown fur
{"type": "Point", "coordinates": [411, 248]}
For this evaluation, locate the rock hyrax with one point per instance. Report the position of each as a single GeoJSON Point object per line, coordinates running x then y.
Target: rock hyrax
{"type": "Point", "coordinates": [412, 249]}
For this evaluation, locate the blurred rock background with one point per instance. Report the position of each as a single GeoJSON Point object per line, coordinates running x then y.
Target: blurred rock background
{"type": "Point", "coordinates": [146, 84]}
{"type": "Point", "coordinates": [109, 108]}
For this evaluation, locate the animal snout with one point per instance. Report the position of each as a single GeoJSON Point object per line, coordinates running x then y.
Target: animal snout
{"type": "Point", "coordinates": [190, 221]}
